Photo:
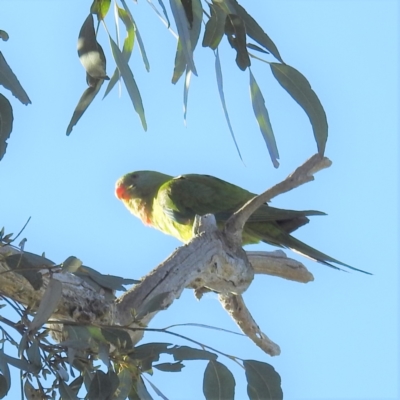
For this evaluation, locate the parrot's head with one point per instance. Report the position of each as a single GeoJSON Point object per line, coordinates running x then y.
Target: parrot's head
{"type": "Point", "coordinates": [139, 184]}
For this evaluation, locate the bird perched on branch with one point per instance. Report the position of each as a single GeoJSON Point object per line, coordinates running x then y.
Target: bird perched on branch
{"type": "Point", "coordinates": [171, 204]}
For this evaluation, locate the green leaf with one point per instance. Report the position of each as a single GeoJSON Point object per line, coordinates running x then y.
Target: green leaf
{"type": "Point", "coordinates": [4, 35]}
{"type": "Point", "coordinates": [127, 47]}
{"type": "Point", "coordinates": [142, 390]}
{"type": "Point", "coordinates": [5, 383]}
{"type": "Point", "coordinates": [47, 305]}
{"type": "Point", "coordinates": [10, 82]}
{"type": "Point", "coordinates": [87, 97]}
{"type": "Point", "coordinates": [76, 385]}
{"type": "Point", "coordinates": [235, 31]}
{"type": "Point", "coordinates": [152, 350]}
{"type": "Point", "coordinates": [220, 84]}
{"type": "Point", "coordinates": [100, 387]}
{"type": "Point", "coordinates": [183, 31]}
{"type": "Point", "coordinates": [263, 382]}
{"type": "Point", "coordinates": [186, 92]}
{"type": "Point", "coordinates": [255, 31]}
{"type": "Point", "coordinates": [118, 337]}
{"type": "Point", "coordinates": [33, 354]}
{"type": "Point", "coordinates": [125, 384]}
{"type": "Point", "coordinates": [262, 117]}
{"type": "Point", "coordinates": [66, 391]}
{"type": "Point", "coordinates": [20, 364]}
{"type": "Point", "coordinates": [4, 386]}
{"type": "Point", "coordinates": [215, 26]}
{"type": "Point", "coordinates": [6, 123]}
{"type": "Point", "coordinates": [180, 63]}
{"type": "Point", "coordinates": [154, 304]}
{"type": "Point", "coordinates": [71, 264]}
{"type": "Point", "coordinates": [181, 353]}
{"type": "Point", "coordinates": [91, 54]}
{"type": "Point", "coordinates": [218, 382]}
{"type": "Point", "coordinates": [300, 89]}
{"type": "Point", "coordinates": [100, 8]}
{"type": "Point", "coordinates": [169, 367]}
{"type": "Point", "coordinates": [138, 37]}
{"type": "Point", "coordinates": [129, 81]}
{"type": "Point", "coordinates": [164, 18]}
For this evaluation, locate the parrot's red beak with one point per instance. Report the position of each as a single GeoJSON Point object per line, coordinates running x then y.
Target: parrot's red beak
{"type": "Point", "coordinates": [120, 192]}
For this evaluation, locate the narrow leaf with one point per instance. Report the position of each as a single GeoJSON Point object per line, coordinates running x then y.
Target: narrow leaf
{"type": "Point", "coordinates": [47, 305]}
{"type": "Point", "coordinates": [138, 37]}
{"type": "Point", "coordinates": [255, 31]}
{"type": "Point", "coordinates": [100, 8]}
{"type": "Point", "coordinates": [118, 337]}
{"type": "Point", "coordinates": [218, 382]}
{"type": "Point", "coordinates": [142, 390]}
{"type": "Point", "coordinates": [169, 367]}
{"type": "Point", "coordinates": [86, 99]}
{"type": "Point", "coordinates": [10, 82]}
{"type": "Point", "coordinates": [262, 117]}
{"type": "Point", "coordinates": [100, 387]}
{"type": "Point", "coordinates": [6, 123]}
{"type": "Point", "coordinates": [263, 382]}
{"type": "Point", "coordinates": [164, 18]}
{"type": "Point", "coordinates": [129, 81]}
{"type": "Point", "coordinates": [183, 32]}
{"type": "Point", "coordinates": [215, 26]}
{"type": "Point", "coordinates": [181, 353]}
{"type": "Point", "coordinates": [66, 392]}
{"type": "Point", "coordinates": [235, 30]}
{"type": "Point", "coordinates": [127, 47]}
{"type": "Point", "coordinates": [220, 84]}
{"type": "Point", "coordinates": [5, 371]}
{"type": "Point", "coordinates": [33, 354]}
{"type": "Point", "coordinates": [125, 384]}
{"type": "Point", "coordinates": [157, 390]}
{"type": "Point", "coordinates": [91, 54]}
{"type": "Point", "coordinates": [20, 364]}
{"type": "Point", "coordinates": [186, 92]}
{"type": "Point", "coordinates": [300, 89]}
{"type": "Point", "coordinates": [180, 63]}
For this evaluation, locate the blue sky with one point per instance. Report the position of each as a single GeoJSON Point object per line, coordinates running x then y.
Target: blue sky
{"type": "Point", "coordinates": [338, 334]}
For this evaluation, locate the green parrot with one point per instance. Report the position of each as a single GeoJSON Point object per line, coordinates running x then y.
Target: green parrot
{"type": "Point", "coordinates": [171, 204]}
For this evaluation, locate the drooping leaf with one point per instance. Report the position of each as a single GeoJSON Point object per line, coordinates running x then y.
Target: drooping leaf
{"type": "Point", "coordinates": [100, 387]}
{"type": "Point", "coordinates": [91, 54]}
{"type": "Point", "coordinates": [155, 304]}
{"type": "Point", "coordinates": [169, 367]}
{"type": "Point", "coordinates": [261, 113]}
{"type": "Point", "coordinates": [300, 89]}
{"type": "Point", "coordinates": [66, 391]}
{"type": "Point", "coordinates": [30, 392]}
{"type": "Point", "coordinates": [220, 84]}
{"type": "Point", "coordinates": [111, 282]}
{"type": "Point", "coordinates": [186, 93]}
{"type": "Point", "coordinates": [235, 31]}
{"type": "Point", "coordinates": [71, 264]}
{"type": "Point", "coordinates": [4, 386]}
{"type": "Point", "coordinates": [48, 304]}
{"type": "Point", "coordinates": [28, 265]}
{"type": "Point", "coordinates": [181, 353]}
{"type": "Point", "coordinates": [118, 337]}
{"type": "Point", "coordinates": [183, 31]}
{"type": "Point", "coordinates": [127, 47]}
{"type": "Point", "coordinates": [5, 383]}
{"type": "Point", "coordinates": [263, 382]}
{"type": "Point", "coordinates": [129, 81]}
{"type": "Point", "coordinates": [4, 35]}
{"type": "Point", "coordinates": [142, 390]}
{"type": "Point", "coordinates": [157, 390]}
{"type": "Point", "coordinates": [125, 384]}
{"type": "Point", "coordinates": [33, 354]}
{"type": "Point", "coordinates": [257, 48]}
{"type": "Point", "coordinates": [138, 37]}
{"type": "Point", "coordinates": [100, 8]}
{"type": "Point", "coordinates": [215, 26]}
{"type": "Point", "coordinates": [76, 385]}
{"type": "Point", "coordinates": [87, 97]}
{"type": "Point", "coordinates": [255, 31]}
{"type": "Point", "coordinates": [152, 350]}
{"type": "Point", "coordinates": [218, 382]}
{"type": "Point", "coordinates": [6, 123]}
{"type": "Point", "coordinates": [164, 18]}
{"type": "Point", "coordinates": [181, 64]}
{"type": "Point", "coordinates": [10, 82]}
{"type": "Point", "coordinates": [20, 364]}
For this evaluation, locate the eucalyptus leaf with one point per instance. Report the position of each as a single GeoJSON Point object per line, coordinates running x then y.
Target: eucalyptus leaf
{"type": "Point", "coordinates": [263, 382]}
{"type": "Point", "coordinates": [100, 387]}
{"type": "Point", "coordinates": [255, 31]}
{"type": "Point", "coordinates": [66, 391]}
{"type": "Point", "coordinates": [215, 26]}
{"type": "Point", "coordinates": [118, 337]}
{"type": "Point", "coordinates": [6, 123]}
{"type": "Point", "coordinates": [169, 367]}
{"type": "Point", "coordinates": [10, 82]}
{"type": "Point", "coordinates": [125, 384]}
{"type": "Point", "coordinates": [218, 382]}
{"type": "Point", "coordinates": [300, 89]}
{"type": "Point", "coordinates": [129, 81]}
{"type": "Point", "coordinates": [235, 31]}
{"type": "Point", "coordinates": [181, 353]}
{"type": "Point", "coordinates": [262, 116]}
{"type": "Point", "coordinates": [100, 8]}
{"type": "Point", "coordinates": [48, 304]}
{"type": "Point", "coordinates": [87, 97]}
{"type": "Point", "coordinates": [220, 83]}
